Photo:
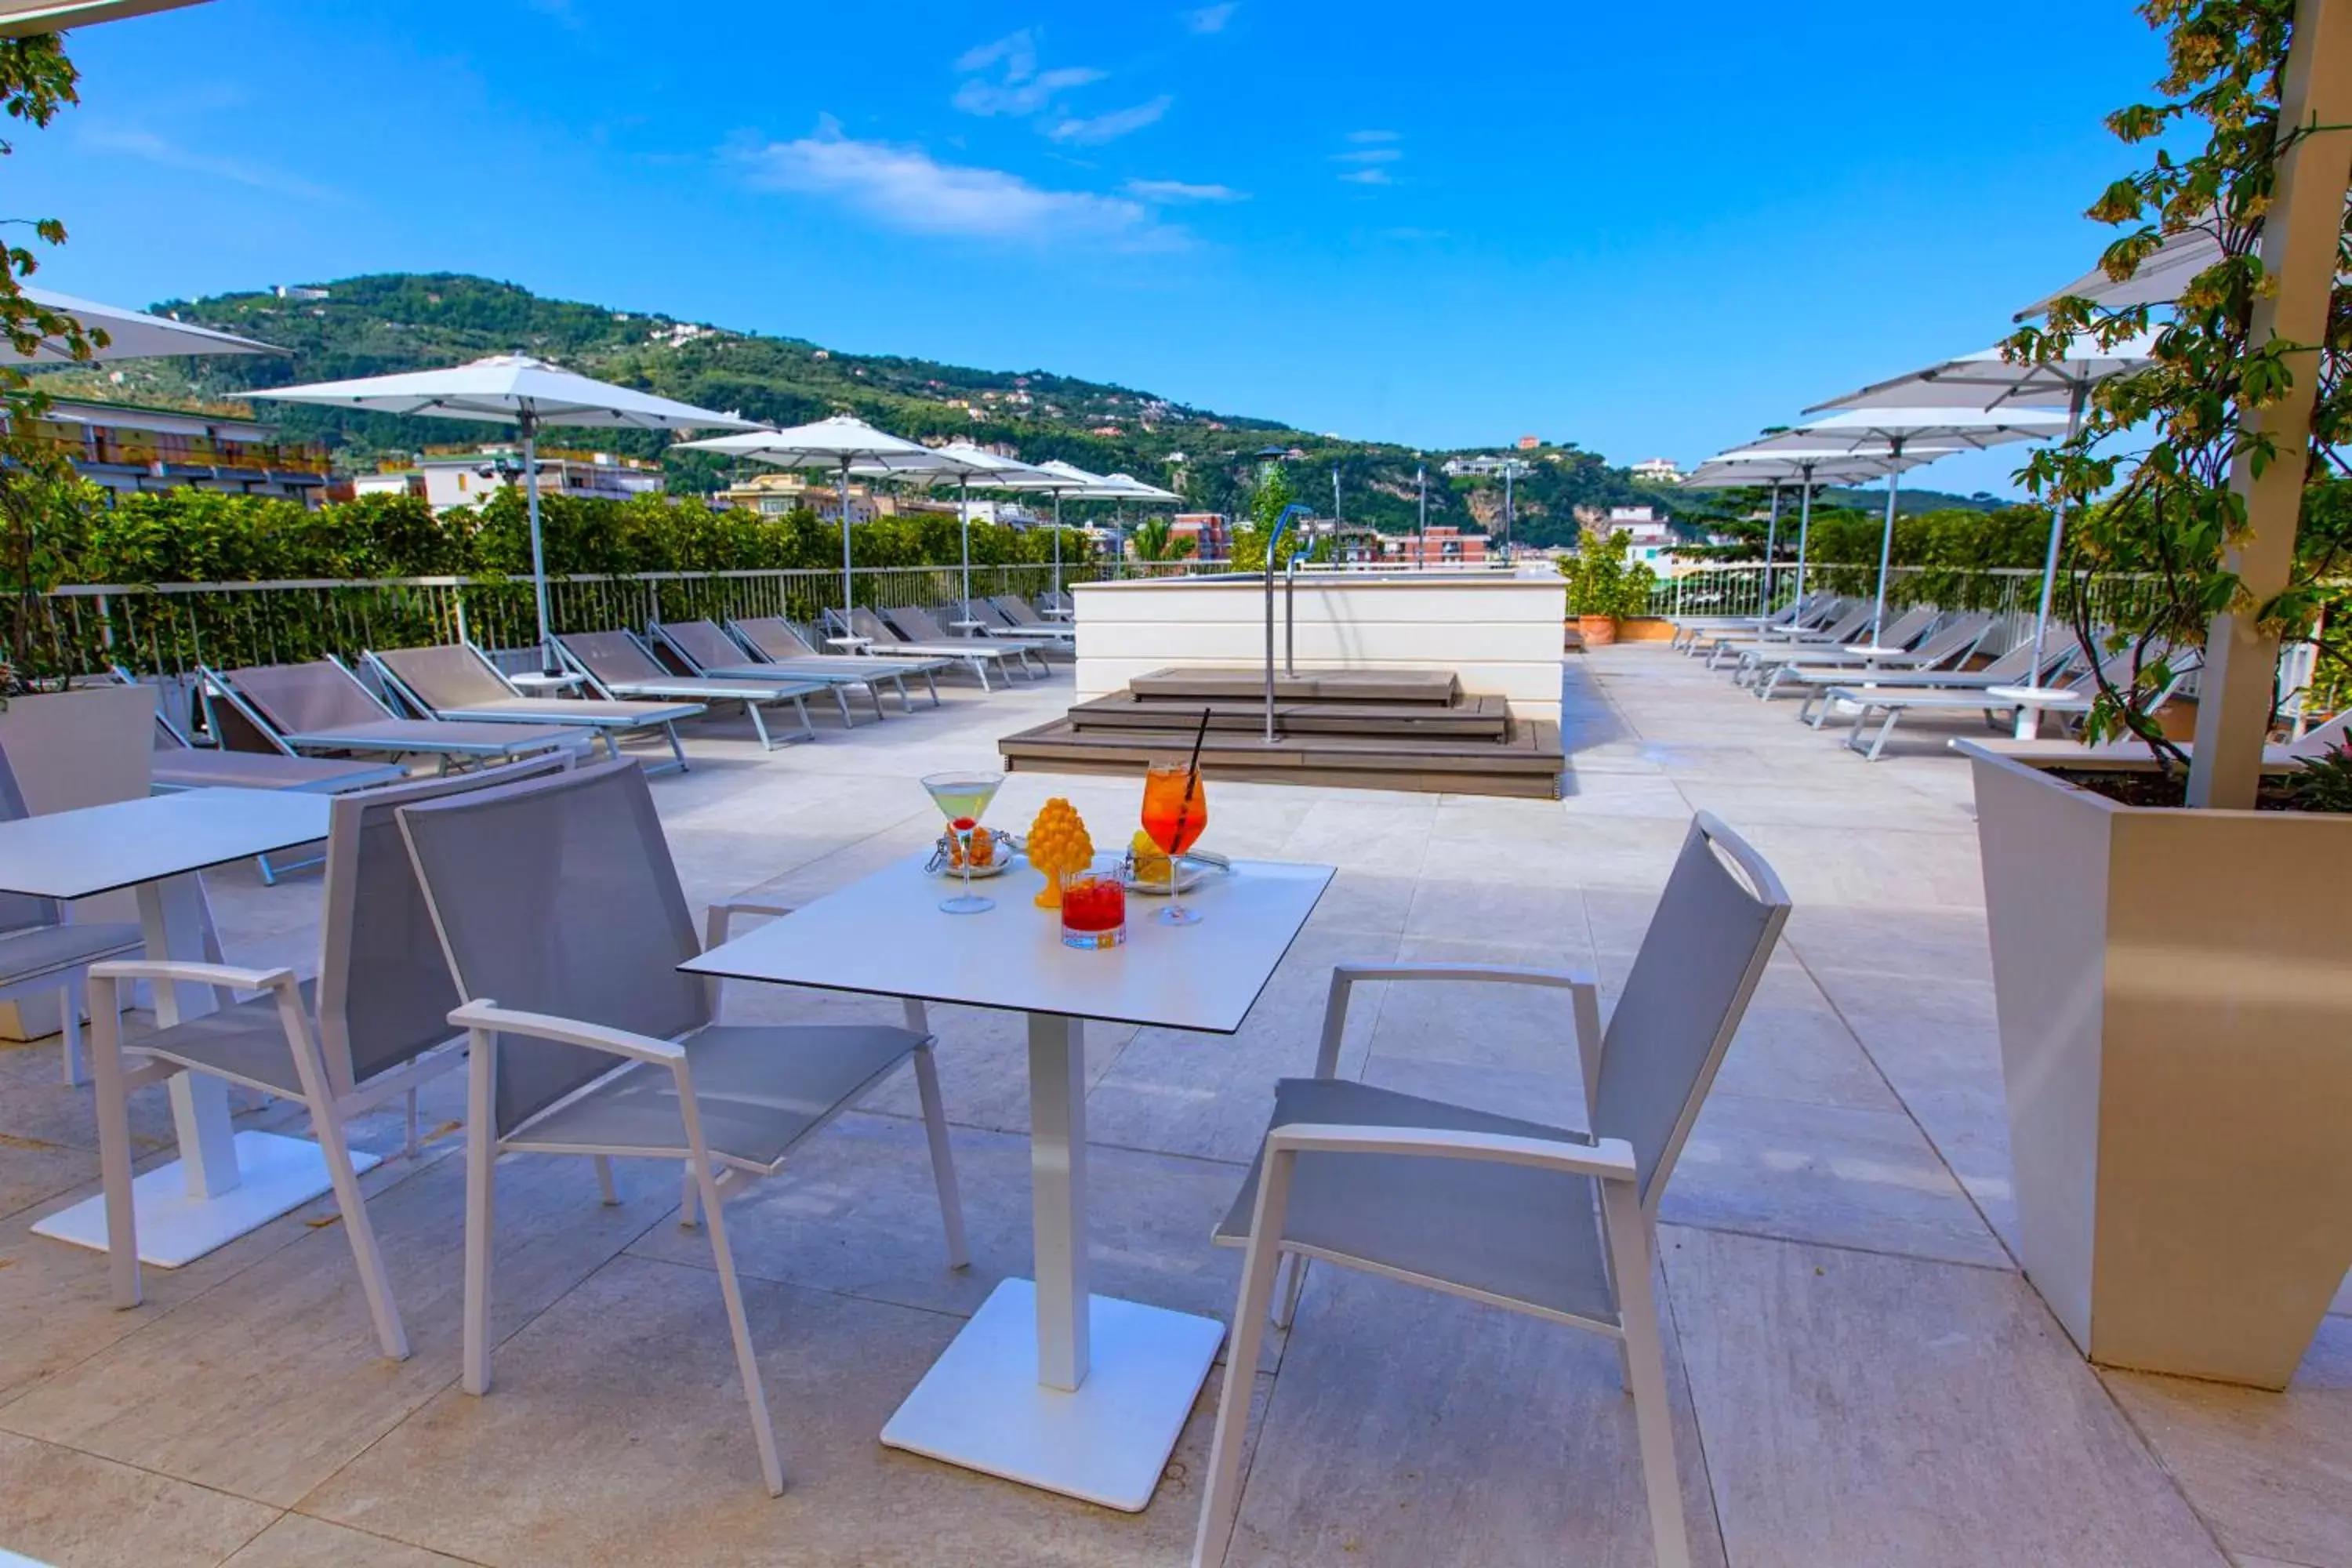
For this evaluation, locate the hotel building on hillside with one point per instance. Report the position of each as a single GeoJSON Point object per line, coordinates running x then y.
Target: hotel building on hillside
{"type": "Point", "coordinates": [131, 450]}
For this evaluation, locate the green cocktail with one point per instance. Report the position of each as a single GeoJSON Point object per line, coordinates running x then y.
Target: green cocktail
{"type": "Point", "coordinates": [961, 797]}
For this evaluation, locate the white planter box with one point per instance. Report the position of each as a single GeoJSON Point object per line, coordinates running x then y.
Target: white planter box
{"type": "Point", "coordinates": [2174, 994]}
{"type": "Point", "coordinates": [90, 746]}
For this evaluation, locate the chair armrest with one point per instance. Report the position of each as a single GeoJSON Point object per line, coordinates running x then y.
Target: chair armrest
{"type": "Point", "coordinates": [1584, 1001]}
{"type": "Point", "coordinates": [192, 973]}
{"type": "Point", "coordinates": [720, 922]}
{"type": "Point", "coordinates": [489, 1016]}
{"type": "Point", "coordinates": [1605, 1159]}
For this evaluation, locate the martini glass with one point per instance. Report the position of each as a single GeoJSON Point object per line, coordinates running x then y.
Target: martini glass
{"type": "Point", "coordinates": [961, 797]}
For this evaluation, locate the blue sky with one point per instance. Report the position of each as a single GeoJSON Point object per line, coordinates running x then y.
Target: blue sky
{"type": "Point", "coordinates": [1647, 229]}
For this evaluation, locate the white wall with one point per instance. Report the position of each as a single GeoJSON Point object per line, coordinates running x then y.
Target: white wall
{"type": "Point", "coordinates": [1501, 634]}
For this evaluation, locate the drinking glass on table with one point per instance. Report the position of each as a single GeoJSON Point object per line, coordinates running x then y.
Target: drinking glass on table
{"type": "Point", "coordinates": [1175, 810]}
{"type": "Point", "coordinates": [961, 797]}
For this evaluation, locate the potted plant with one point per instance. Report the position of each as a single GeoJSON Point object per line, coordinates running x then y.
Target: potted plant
{"type": "Point", "coordinates": [1602, 587]}
{"type": "Point", "coordinates": [2171, 958]}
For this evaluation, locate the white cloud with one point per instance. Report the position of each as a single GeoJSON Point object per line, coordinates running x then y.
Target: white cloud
{"type": "Point", "coordinates": [1211, 18]}
{"type": "Point", "coordinates": [1368, 155]}
{"type": "Point", "coordinates": [1375, 136]}
{"type": "Point", "coordinates": [1368, 177]}
{"type": "Point", "coordinates": [1180, 191]}
{"type": "Point", "coordinates": [905, 188]}
{"type": "Point", "coordinates": [1023, 97]}
{"type": "Point", "coordinates": [1093, 129]}
{"type": "Point", "coordinates": [1017, 50]}
{"type": "Point", "coordinates": [169, 154]}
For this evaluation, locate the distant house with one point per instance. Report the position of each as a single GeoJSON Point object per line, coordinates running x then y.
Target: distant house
{"type": "Point", "coordinates": [1444, 545]}
{"type": "Point", "coordinates": [129, 449]}
{"type": "Point", "coordinates": [1210, 531]}
{"type": "Point", "coordinates": [472, 477]}
{"type": "Point", "coordinates": [1529, 443]}
{"type": "Point", "coordinates": [1478, 467]}
{"type": "Point", "coordinates": [1658, 471]}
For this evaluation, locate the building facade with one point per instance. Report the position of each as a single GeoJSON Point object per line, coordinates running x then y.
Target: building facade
{"type": "Point", "coordinates": [130, 451]}
{"type": "Point", "coordinates": [470, 477]}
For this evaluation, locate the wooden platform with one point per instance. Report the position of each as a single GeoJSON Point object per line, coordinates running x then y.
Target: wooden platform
{"type": "Point", "coordinates": [1401, 730]}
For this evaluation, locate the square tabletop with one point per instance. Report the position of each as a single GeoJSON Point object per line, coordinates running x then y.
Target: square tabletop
{"type": "Point", "coordinates": [79, 854]}
{"type": "Point", "coordinates": [886, 935]}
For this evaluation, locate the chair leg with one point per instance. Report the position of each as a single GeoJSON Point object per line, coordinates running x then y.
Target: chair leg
{"type": "Point", "coordinates": [481, 1206]}
{"type": "Point", "coordinates": [1884, 731]}
{"type": "Point", "coordinates": [1221, 1500]}
{"type": "Point", "coordinates": [606, 1190]}
{"type": "Point", "coordinates": [114, 1142]}
{"type": "Point", "coordinates": [934, 1128]}
{"type": "Point", "coordinates": [931, 683]}
{"type": "Point", "coordinates": [676, 747]}
{"type": "Point", "coordinates": [747, 1363]}
{"type": "Point", "coordinates": [759, 726]}
{"type": "Point", "coordinates": [365, 1253]}
{"type": "Point", "coordinates": [409, 1144]}
{"type": "Point", "coordinates": [841, 701]}
{"type": "Point", "coordinates": [690, 1199]}
{"type": "Point", "coordinates": [77, 1070]}
{"type": "Point", "coordinates": [1637, 1310]}
{"type": "Point", "coordinates": [1294, 1281]}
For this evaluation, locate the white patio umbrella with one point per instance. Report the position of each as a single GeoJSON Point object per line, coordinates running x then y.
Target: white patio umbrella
{"type": "Point", "coordinates": [21, 17]}
{"type": "Point", "coordinates": [843, 442]}
{"type": "Point", "coordinates": [1126, 486]}
{"type": "Point", "coordinates": [1744, 467]}
{"type": "Point", "coordinates": [1071, 479]}
{"type": "Point", "coordinates": [1986, 380]}
{"type": "Point", "coordinates": [513, 389]}
{"type": "Point", "coordinates": [2162, 274]}
{"type": "Point", "coordinates": [1891, 431]}
{"type": "Point", "coordinates": [991, 470]}
{"type": "Point", "coordinates": [131, 335]}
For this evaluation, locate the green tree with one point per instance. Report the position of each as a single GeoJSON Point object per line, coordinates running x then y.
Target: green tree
{"type": "Point", "coordinates": [1156, 540]}
{"type": "Point", "coordinates": [37, 81]}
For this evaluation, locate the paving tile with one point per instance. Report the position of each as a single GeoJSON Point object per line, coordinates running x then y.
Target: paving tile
{"type": "Point", "coordinates": [265, 1389]}
{"type": "Point", "coordinates": [1864, 1409]}
{"type": "Point", "coordinates": [76, 1511]}
{"type": "Point", "coordinates": [2271, 1472]}
{"type": "Point", "coordinates": [296, 1542]}
{"type": "Point", "coordinates": [617, 1433]}
{"type": "Point", "coordinates": [1411, 1427]}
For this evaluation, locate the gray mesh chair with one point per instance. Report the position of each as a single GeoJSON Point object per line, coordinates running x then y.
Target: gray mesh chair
{"type": "Point", "coordinates": [1556, 1224]}
{"type": "Point", "coordinates": [296, 709]}
{"type": "Point", "coordinates": [704, 649]}
{"type": "Point", "coordinates": [922, 626]}
{"type": "Point", "coordinates": [774, 638]}
{"type": "Point", "coordinates": [42, 951]}
{"type": "Point", "coordinates": [561, 919]}
{"type": "Point", "coordinates": [375, 1025]}
{"type": "Point", "coordinates": [879, 637]}
{"type": "Point", "coordinates": [616, 666]}
{"type": "Point", "coordinates": [456, 683]}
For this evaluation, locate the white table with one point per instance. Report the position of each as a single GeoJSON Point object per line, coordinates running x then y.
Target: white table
{"type": "Point", "coordinates": [226, 1183]}
{"type": "Point", "coordinates": [2032, 701]}
{"type": "Point", "coordinates": [538, 683]}
{"type": "Point", "coordinates": [1050, 1384]}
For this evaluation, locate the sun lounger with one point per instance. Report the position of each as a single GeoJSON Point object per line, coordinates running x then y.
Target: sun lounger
{"type": "Point", "coordinates": [865, 632]}
{"type": "Point", "coordinates": [1949, 644]}
{"type": "Point", "coordinates": [1896, 635]}
{"type": "Point", "coordinates": [917, 627]}
{"type": "Point", "coordinates": [708, 653]}
{"type": "Point", "coordinates": [2010, 669]}
{"type": "Point", "coordinates": [301, 710]}
{"type": "Point", "coordinates": [1842, 628]}
{"type": "Point", "coordinates": [616, 666]}
{"type": "Point", "coordinates": [2073, 699]}
{"type": "Point", "coordinates": [1021, 617]}
{"type": "Point", "coordinates": [457, 681]}
{"type": "Point", "coordinates": [994, 621]}
{"type": "Point", "coordinates": [1689, 629]}
{"type": "Point", "coordinates": [772, 639]}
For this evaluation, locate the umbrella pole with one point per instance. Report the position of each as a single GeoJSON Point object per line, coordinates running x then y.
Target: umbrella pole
{"type": "Point", "coordinates": [1804, 525]}
{"type": "Point", "coordinates": [963, 510]}
{"type": "Point", "coordinates": [538, 549]}
{"type": "Point", "coordinates": [1057, 547]}
{"type": "Point", "coordinates": [847, 604]}
{"type": "Point", "coordinates": [2029, 719]}
{"type": "Point", "coordinates": [1771, 550]}
{"type": "Point", "coordinates": [1886, 542]}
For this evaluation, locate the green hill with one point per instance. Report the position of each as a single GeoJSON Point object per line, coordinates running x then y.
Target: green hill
{"type": "Point", "coordinates": [372, 325]}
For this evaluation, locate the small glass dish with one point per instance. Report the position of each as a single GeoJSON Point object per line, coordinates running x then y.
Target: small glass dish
{"type": "Point", "coordinates": [1094, 905]}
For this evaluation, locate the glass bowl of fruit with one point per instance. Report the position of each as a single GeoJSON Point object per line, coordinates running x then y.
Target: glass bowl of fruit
{"type": "Point", "coordinates": [993, 853]}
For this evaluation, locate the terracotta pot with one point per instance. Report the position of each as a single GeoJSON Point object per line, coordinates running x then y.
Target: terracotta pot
{"type": "Point", "coordinates": [1598, 631]}
{"type": "Point", "coordinates": [2172, 986]}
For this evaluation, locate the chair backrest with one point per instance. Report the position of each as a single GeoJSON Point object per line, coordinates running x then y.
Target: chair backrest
{"type": "Point", "coordinates": [2015, 665]}
{"type": "Point", "coordinates": [772, 636]}
{"type": "Point", "coordinates": [1845, 627]}
{"type": "Point", "coordinates": [917, 623]}
{"type": "Point", "coordinates": [1907, 627]}
{"type": "Point", "coordinates": [1700, 961]}
{"type": "Point", "coordinates": [1014, 612]}
{"type": "Point", "coordinates": [20, 912]}
{"type": "Point", "coordinates": [701, 645]}
{"type": "Point", "coordinates": [385, 993]}
{"type": "Point", "coordinates": [865, 623]}
{"type": "Point", "coordinates": [987, 612]}
{"type": "Point", "coordinates": [2321, 739]}
{"type": "Point", "coordinates": [449, 676]}
{"type": "Point", "coordinates": [611, 656]}
{"type": "Point", "coordinates": [1953, 640]}
{"type": "Point", "coordinates": [303, 698]}
{"type": "Point", "coordinates": [557, 894]}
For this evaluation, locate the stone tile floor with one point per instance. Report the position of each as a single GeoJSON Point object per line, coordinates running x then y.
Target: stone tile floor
{"type": "Point", "coordinates": [1862, 1376]}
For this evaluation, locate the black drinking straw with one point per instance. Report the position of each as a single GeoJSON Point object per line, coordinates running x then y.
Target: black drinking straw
{"type": "Point", "coordinates": [1191, 775]}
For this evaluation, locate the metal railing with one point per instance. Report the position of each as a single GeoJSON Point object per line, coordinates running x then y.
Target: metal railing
{"type": "Point", "coordinates": [2014, 594]}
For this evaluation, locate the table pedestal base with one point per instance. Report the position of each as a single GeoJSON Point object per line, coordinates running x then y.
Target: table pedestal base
{"type": "Point", "coordinates": [275, 1173]}
{"type": "Point", "coordinates": [982, 1406]}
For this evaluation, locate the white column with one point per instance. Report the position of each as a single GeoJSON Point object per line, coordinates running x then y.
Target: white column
{"type": "Point", "coordinates": [1057, 1168]}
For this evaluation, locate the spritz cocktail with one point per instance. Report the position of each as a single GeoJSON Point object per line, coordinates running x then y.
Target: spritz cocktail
{"type": "Point", "coordinates": [961, 797]}
{"type": "Point", "coordinates": [1175, 810]}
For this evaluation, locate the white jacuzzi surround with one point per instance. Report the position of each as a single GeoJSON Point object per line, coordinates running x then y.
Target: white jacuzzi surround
{"type": "Point", "coordinates": [1501, 634]}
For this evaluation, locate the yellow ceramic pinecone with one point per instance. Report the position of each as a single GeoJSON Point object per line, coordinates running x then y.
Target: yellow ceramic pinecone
{"type": "Point", "coordinates": [1057, 843]}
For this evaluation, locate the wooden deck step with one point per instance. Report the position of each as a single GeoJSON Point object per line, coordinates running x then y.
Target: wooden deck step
{"type": "Point", "coordinates": [1483, 717]}
{"type": "Point", "coordinates": [1437, 687]}
{"type": "Point", "coordinates": [1526, 766]}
